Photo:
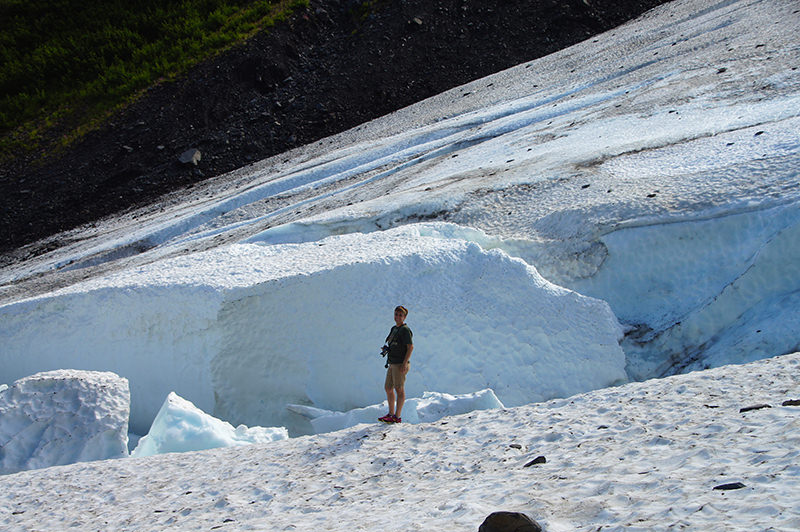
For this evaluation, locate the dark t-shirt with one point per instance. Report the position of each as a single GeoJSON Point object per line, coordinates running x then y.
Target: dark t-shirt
{"type": "Point", "coordinates": [399, 342]}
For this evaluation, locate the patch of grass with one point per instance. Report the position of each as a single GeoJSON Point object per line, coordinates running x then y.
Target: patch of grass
{"type": "Point", "coordinates": [75, 61]}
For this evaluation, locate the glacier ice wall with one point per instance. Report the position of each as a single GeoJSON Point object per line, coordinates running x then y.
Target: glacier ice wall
{"type": "Point", "coordinates": [244, 330]}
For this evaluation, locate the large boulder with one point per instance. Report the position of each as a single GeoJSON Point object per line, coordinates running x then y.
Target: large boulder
{"type": "Point", "coordinates": [509, 522]}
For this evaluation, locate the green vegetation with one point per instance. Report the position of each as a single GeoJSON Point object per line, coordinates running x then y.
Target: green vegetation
{"type": "Point", "coordinates": [66, 64]}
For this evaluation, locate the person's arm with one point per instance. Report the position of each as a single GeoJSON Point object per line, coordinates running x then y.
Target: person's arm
{"type": "Point", "coordinates": [407, 361]}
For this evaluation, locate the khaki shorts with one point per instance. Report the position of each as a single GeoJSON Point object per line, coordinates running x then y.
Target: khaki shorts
{"type": "Point", "coordinates": [395, 378]}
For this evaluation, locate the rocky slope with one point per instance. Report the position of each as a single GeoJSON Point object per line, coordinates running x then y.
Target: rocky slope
{"type": "Point", "coordinates": [334, 65]}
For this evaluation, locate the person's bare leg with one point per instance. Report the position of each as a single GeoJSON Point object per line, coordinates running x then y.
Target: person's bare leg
{"type": "Point", "coordinates": [401, 398]}
{"type": "Point", "coordinates": [391, 400]}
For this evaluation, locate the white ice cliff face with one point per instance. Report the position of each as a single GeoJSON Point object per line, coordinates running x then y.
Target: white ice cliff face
{"type": "Point", "coordinates": [731, 283]}
{"type": "Point", "coordinates": [243, 331]}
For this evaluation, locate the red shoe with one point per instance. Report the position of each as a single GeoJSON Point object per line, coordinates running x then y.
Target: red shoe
{"type": "Point", "coordinates": [388, 418]}
{"type": "Point", "coordinates": [396, 419]}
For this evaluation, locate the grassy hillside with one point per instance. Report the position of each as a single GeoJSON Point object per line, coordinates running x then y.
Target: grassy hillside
{"type": "Point", "coordinates": [66, 63]}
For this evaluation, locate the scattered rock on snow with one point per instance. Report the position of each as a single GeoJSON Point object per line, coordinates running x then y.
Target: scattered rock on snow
{"type": "Point", "coordinates": [414, 24]}
{"type": "Point", "coordinates": [754, 407]}
{"type": "Point", "coordinates": [791, 402]}
{"type": "Point", "coordinates": [191, 156]}
{"type": "Point", "coordinates": [509, 522]}
{"type": "Point", "coordinates": [730, 486]}
{"type": "Point", "coordinates": [537, 460]}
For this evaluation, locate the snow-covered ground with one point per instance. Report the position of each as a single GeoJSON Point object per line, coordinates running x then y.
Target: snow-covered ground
{"type": "Point", "coordinates": [639, 457]}
{"type": "Point", "coordinates": [621, 210]}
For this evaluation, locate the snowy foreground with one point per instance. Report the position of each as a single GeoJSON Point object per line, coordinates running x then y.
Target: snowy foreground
{"type": "Point", "coordinates": [643, 456]}
{"type": "Point", "coordinates": [626, 209]}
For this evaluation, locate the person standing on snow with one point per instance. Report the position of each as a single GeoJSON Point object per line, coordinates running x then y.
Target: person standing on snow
{"type": "Point", "coordinates": [400, 347]}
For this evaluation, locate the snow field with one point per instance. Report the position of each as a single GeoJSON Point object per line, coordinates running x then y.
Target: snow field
{"type": "Point", "coordinates": [432, 406]}
{"type": "Point", "coordinates": [640, 90]}
{"type": "Point", "coordinates": [642, 456]}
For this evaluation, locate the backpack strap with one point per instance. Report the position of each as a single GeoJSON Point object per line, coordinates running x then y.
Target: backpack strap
{"type": "Point", "coordinates": [392, 334]}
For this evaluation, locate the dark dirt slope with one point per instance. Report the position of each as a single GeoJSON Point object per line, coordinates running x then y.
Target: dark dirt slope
{"type": "Point", "coordinates": [326, 70]}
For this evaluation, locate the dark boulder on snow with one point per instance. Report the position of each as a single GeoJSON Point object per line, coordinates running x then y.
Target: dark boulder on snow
{"type": "Point", "coordinates": [753, 407]}
{"type": "Point", "coordinates": [509, 522]}
{"type": "Point", "coordinates": [536, 461]}
{"type": "Point", "coordinates": [730, 486]}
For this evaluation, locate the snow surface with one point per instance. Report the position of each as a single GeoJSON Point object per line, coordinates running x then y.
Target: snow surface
{"type": "Point", "coordinates": [62, 417]}
{"type": "Point", "coordinates": [644, 181]}
{"type": "Point", "coordinates": [639, 457]}
{"type": "Point", "coordinates": [432, 406]}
